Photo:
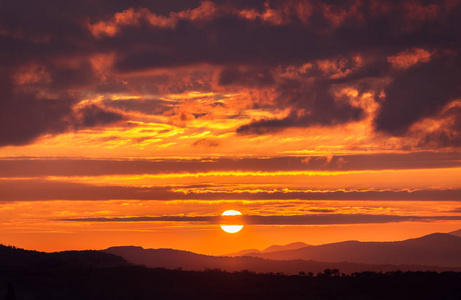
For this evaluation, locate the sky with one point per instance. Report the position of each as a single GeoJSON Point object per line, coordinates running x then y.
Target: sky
{"type": "Point", "coordinates": [139, 122]}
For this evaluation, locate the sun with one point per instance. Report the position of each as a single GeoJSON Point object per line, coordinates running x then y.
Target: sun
{"type": "Point", "coordinates": [231, 228]}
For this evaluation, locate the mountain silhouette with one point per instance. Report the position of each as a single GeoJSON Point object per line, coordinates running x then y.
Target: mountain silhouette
{"type": "Point", "coordinates": [456, 233]}
{"type": "Point", "coordinates": [272, 248]}
{"type": "Point", "coordinates": [12, 256]}
{"type": "Point", "coordinates": [438, 249]}
{"type": "Point", "coordinates": [178, 259]}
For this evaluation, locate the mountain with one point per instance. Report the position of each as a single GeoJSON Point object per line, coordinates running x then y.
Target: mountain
{"type": "Point", "coordinates": [438, 249]}
{"type": "Point", "coordinates": [272, 248]}
{"type": "Point", "coordinates": [16, 257]}
{"type": "Point", "coordinates": [177, 259]}
{"type": "Point", "coordinates": [291, 246]}
{"type": "Point", "coordinates": [456, 233]}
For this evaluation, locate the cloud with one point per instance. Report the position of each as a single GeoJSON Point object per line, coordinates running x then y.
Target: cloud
{"type": "Point", "coordinates": [37, 167]}
{"type": "Point", "coordinates": [456, 210]}
{"type": "Point", "coordinates": [445, 130]}
{"type": "Point", "coordinates": [146, 106]}
{"type": "Point", "coordinates": [311, 103]}
{"type": "Point", "coordinates": [418, 92]}
{"type": "Point", "coordinates": [246, 77]}
{"type": "Point", "coordinates": [321, 210]}
{"type": "Point", "coordinates": [206, 143]}
{"type": "Point", "coordinates": [311, 219]}
{"type": "Point", "coordinates": [26, 115]}
{"type": "Point", "coordinates": [409, 47]}
{"type": "Point", "coordinates": [93, 115]}
{"type": "Point", "coordinates": [33, 190]}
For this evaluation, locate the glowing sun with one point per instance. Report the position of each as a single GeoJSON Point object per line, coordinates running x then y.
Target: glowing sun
{"type": "Point", "coordinates": [231, 228]}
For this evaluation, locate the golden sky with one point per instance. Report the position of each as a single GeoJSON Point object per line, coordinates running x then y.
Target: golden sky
{"type": "Point", "coordinates": [139, 123]}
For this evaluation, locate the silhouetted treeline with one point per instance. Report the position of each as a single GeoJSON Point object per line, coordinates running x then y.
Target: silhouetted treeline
{"type": "Point", "coordinates": [136, 282]}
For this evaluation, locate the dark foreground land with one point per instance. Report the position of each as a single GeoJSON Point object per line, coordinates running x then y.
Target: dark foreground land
{"type": "Point", "coordinates": [136, 282]}
{"type": "Point", "coordinates": [96, 275]}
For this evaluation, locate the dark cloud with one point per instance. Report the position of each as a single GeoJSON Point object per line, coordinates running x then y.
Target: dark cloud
{"type": "Point", "coordinates": [248, 45]}
{"type": "Point", "coordinates": [93, 115]}
{"type": "Point", "coordinates": [33, 190]}
{"type": "Point", "coordinates": [80, 76]}
{"type": "Point", "coordinates": [146, 106]}
{"type": "Point", "coordinates": [24, 167]}
{"type": "Point", "coordinates": [321, 210]}
{"type": "Point", "coordinates": [206, 143]}
{"type": "Point", "coordinates": [246, 77]}
{"type": "Point", "coordinates": [26, 115]}
{"type": "Point", "coordinates": [456, 210]}
{"type": "Point", "coordinates": [313, 219]}
{"type": "Point", "coordinates": [311, 104]}
{"type": "Point", "coordinates": [448, 134]}
{"type": "Point", "coordinates": [418, 92]}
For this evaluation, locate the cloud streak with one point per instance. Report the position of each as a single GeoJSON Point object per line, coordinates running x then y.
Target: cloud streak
{"type": "Point", "coordinates": [34, 190]}
{"type": "Point", "coordinates": [37, 167]}
{"type": "Point", "coordinates": [312, 219]}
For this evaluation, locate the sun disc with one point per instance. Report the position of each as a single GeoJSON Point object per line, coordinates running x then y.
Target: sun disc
{"type": "Point", "coordinates": [231, 228]}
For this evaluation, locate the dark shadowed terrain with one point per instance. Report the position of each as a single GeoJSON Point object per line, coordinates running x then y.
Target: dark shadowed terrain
{"type": "Point", "coordinates": [141, 283]}
{"type": "Point", "coordinates": [116, 273]}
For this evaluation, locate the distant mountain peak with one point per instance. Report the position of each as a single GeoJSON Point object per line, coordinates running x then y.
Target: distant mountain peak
{"type": "Point", "coordinates": [126, 247]}
{"type": "Point", "coordinates": [273, 248]}
{"type": "Point", "coordinates": [291, 246]}
{"type": "Point", "coordinates": [456, 233]}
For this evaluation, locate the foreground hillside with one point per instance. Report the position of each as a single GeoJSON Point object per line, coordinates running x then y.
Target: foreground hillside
{"type": "Point", "coordinates": [94, 275]}
{"type": "Point", "coordinates": [129, 283]}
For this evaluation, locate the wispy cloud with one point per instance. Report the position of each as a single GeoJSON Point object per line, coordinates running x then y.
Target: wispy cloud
{"type": "Point", "coordinates": [32, 190]}
{"type": "Point", "coordinates": [312, 219]}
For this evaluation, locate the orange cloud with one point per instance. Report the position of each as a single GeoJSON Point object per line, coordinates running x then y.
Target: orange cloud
{"type": "Point", "coordinates": [408, 58]}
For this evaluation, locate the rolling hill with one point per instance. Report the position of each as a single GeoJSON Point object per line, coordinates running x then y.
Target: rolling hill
{"type": "Point", "coordinates": [177, 259]}
{"type": "Point", "coordinates": [272, 248]}
{"type": "Point", "coordinates": [438, 249]}
{"type": "Point", "coordinates": [456, 233]}
{"type": "Point", "coordinates": [16, 257]}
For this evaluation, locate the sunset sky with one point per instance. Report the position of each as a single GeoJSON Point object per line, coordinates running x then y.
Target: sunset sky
{"type": "Point", "coordinates": [139, 122]}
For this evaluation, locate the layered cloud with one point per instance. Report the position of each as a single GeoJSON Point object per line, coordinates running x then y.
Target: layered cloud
{"type": "Point", "coordinates": [35, 190]}
{"type": "Point", "coordinates": [67, 167]}
{"type": "Point", "coordinates": [295, 62]}
{"type": "Point", "coordinates": [311, 219]}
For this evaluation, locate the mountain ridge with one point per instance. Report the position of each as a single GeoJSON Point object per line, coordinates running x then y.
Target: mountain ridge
{"type": "Point", "coordinates": [441, 249]}
{"type": "Point", "coordinates": [290, 246]}
{"type": "Point", "coordinates": [264, 263]}
{"type": "Point", "coordinates": [189, 261]}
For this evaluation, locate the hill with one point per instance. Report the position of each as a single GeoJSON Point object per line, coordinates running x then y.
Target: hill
{"type": "Point", "coordinates": [11, 256]}
{"type": "Point", "coordinates": [272, 248]}
{"type": "Point", "coordinates": [176, 259]}
{"type": "Point", "coordinates": [438, 249]}
{"type": "Point", "coordinates": [456, 233]}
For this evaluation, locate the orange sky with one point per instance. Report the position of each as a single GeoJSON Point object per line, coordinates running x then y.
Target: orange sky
{"type": "Point", "coordinates": [140, 124]}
